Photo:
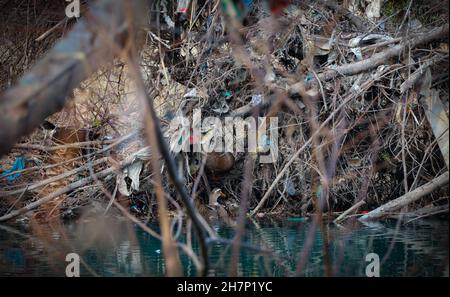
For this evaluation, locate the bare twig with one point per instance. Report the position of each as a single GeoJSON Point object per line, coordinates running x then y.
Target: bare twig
{"type": "Point", "coordinates": [406, 199]}
{"type": "Point", "coordinates": [345, 214]}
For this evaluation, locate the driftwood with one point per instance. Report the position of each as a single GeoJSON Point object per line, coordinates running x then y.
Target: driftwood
{"type": "Point", "coordinates": [406, 199]}
{"type": "Point", "coordinates": [45, 88]}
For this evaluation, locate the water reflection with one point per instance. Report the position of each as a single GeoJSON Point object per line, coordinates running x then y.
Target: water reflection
{"type": "Point", "coordinates": [118, 248]}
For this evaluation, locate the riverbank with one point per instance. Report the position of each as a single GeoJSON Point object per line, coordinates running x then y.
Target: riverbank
{"type": "Point", "coordinates": [217, 114]}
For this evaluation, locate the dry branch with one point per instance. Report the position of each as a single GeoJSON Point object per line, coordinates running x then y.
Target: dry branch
{"type": "Point", "coordinates": [55, 194]}
{"type": "Point", "coordinates": [26, 146]}
{"type": "Point", "coordinates": [43, 91]}
{"type": "Point", "coordinates": [406, 199]}
{"type": "Point", "coordinates": [427, 212]}
{"type": "Point", "coordinates": [100, 151]}
{"type": "Point", "coordinates": [381, 57]}
{"type": "Point", "coordinates": [414, 77]}
{"type": "Point", "coordinates": [155, 135]}
{"type": "Point", "coordinates": [66, 189]}
{"type": "Point", "coordinates": [54, 178]}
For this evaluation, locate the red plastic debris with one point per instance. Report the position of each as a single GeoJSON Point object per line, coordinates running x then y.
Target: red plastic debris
{"type": "Point", "coordinates": [277, 6]}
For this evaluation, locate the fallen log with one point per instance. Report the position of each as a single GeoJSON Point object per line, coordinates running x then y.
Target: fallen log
{"type": "Point", "coordinates": [406, 199]}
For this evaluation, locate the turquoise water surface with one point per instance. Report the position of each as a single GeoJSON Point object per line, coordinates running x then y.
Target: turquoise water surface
{"type": "Point", "coordinates": [119, 248]}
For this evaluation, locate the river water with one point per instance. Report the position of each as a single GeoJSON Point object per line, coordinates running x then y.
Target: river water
{"type": "Point", "coordinates": [119, 248]}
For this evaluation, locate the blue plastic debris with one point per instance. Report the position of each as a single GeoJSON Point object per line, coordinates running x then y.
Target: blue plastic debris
{"type": "Point", "coordinates": [290, 188]}
{"type": "Point", "coordinates": [16, 257]}
{"type": "Point", "coordinates": [247, 3]}
{"type": "Point", "coordinates": [309, 77]}
{"type": "Point", "coordinates": [204, 67]}
{"type": "Point", "coordinates": [227, 94]}
{"type": "Point", "coordinates": [19, 164]}
{"type": "Point", "coordinates": [237, 8]}
{"type": "Point", "coordinates": [135, 208]}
